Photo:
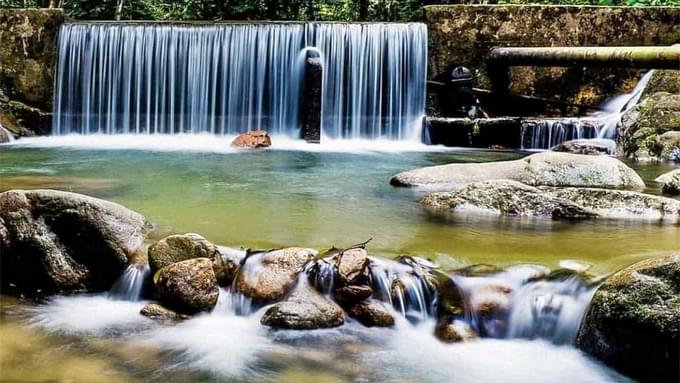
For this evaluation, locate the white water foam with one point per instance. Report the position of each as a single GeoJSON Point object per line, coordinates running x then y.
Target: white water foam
{"type": "Point", "coordinates": [89, 315]}
{"type": "Point", "coordinates": [414, 354]}
{"type": "Point", "coordinates": [207, 143]}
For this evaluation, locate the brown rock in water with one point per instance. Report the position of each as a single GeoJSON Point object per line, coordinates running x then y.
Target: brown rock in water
{"type": "Point", "coordinates": [590, 146]}
{"type": "Point", "coordinates": [180, 247]}
{"type": "Point", "coordinates": [352, 266]}
{"type": "Point", "coordinates": [353, 293]}
{"type": "Point", "coordinates": [268, 276]}
{"type": "Point", "coordinates": [371, 314]}
{"type": "Point", "coordinates": [256, 139]}
{"type": "Point", "coordinates": [670, 182]}
{"type": "Point", "coordinates": [304, 309]}
{"type": "Point", "coordinates": [158, 312]}
{"type": "Point", "coordinates": [187, 286]}
{"type": "Point", "coordinates": [53, 241]}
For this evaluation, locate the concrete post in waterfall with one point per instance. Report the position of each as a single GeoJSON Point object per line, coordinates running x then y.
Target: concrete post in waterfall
{"type": "Point", "coordinates": [311, 98]}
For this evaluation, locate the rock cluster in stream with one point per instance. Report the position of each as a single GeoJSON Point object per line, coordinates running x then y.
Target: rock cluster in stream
{"type": "Point", "coordinates": [56, 242]}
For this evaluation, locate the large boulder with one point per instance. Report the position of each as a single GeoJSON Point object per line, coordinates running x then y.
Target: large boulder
{"type": "Point", "coordinates": [541, 169]}
{"type": "Point", "coordinates": [670, 182]}
{"type": "Point", "coordinates": [267, 276]}
{"type": "Point", "coordinates": [256, 139]}
{"type": "Point", "coordinates": [304, 309]}
{"type": "Point", "coordinates": [505, 197]}
{"type": "Point", "coordinates": [642, 125]}
{"type": "Point", "coordinates": [188, 286]}
{"type": "Point", "coordinates": [591, 146]}
{"type": "Point", "coordinates": [663, 81]}
{"type": "Point", "coordinates": [180, 247]}
{"type": "Point", "coordinates": [633, 323]}
{"type": "Point", "coordinates": [53, 241]}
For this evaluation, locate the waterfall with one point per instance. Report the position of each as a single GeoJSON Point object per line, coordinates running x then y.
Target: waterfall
{"type": "Point", "coordinates": [129, 286]}
{"type": "Point", "coordinates": [547, 133]}
{"type": "Point", "coordinates": [146, 78]}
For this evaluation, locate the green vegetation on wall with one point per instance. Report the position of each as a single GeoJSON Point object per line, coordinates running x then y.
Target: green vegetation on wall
{"type": "Point", "coordinates": [330, 10]}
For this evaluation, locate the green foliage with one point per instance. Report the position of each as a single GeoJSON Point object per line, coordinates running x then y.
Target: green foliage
{"type": "Point", "coordinates": [324, 10]}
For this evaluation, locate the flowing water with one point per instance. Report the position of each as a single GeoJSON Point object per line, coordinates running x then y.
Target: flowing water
{"type": "Point", "coordinates": [231, 78]}
{"type": "Point", "coordinates": [546, 133]}
{"type": "Point", "coordinates": [338, 194]}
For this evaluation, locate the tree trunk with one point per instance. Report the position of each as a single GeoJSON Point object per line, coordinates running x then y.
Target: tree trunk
{"type": "Point", "coordinates": [363, 10]}
{"type": "Point", "coordinates": [119, 9]}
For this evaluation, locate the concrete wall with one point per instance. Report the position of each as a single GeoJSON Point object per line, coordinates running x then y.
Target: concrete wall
{"type": "Point", "coordinates": [464, 34]}
{"type": "Point", "coordinates": [28, 50]}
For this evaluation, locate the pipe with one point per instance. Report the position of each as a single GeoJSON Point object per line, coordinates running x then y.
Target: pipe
{"type": "Point", "coordinates": [641, 57]}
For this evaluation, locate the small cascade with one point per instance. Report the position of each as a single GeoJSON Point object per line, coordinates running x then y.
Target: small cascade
{"type": "Point", "coordinates": [547, 133]}
{"type": "Point", "coordinates": [225, 79]}
{"type": "Point", "coordinates": [129, 286]}
{"type": "Point", "coordinates": [613, 109]}
{"type": "Point", "coordinates": [232, 303]}
{"type": "Point", "coordinates": [550, 310]}
{"type": "Point", "coordinates": [402, 287]}
{"type": "Point", "coordinates": [322, 274]}
{"type": "Point", "coordinates": [525, 301]}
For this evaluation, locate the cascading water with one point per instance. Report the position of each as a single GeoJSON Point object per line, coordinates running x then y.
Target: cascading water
{"type": "Point", "coordinates": [524, 302]}
{"type": "Point", "coordinates": [230, 78]}
{"type": "Point", "coordinates": [545, 134]}
{"type": "Point", "coordinates": [407, 292]}
{"type": "Point", "coordinates": [130, 284]}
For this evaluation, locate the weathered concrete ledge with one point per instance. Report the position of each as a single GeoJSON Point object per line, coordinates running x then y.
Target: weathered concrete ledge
{"type": "Point", "coordinates": [464, 35]}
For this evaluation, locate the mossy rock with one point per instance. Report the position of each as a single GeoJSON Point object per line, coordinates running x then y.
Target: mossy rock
{"type": "Point", "coordinates": [633, 323]}
{"type": "Point", "coordinates": [641, 126]}
{"type": "Point", "coordinates": [663, 81]}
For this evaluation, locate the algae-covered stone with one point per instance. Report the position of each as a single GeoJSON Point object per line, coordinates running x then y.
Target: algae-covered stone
{"type": "Point", "coordinates": [633, 323]}
{"type": "Point", "coordinates": [187, 286]}
{"type": "Point", "coordinates": [181, 247]}
{"type": "Point", "coordinates": [642, 126]}
{"type": "Point", "coordinates": [541, 169]}
{"type": "Point", "coordinates": [505, 197]}
{"type": "Point", "coordinates": [304, 309]}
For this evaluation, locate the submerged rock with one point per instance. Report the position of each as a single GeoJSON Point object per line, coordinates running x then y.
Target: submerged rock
{"type": "Point", "coordinates": [594, 146]}
{"type": "Point", "coordinates": [541, 169]}
{"type": "Point", "coordinates": [621, 204]}
{"type": "Point", "coordinates": [268, 276]}
{"type": "Point", "coordinates": [304, 309]}
{"type": "Point", "coordinates": [371, 314]}
{"type": "Point", "coordinates": [53, 241]}
{"type": "Point", "coordinates": [156, 311]}
{"type": "Point", "coordinates": [670, 182]}
{"type": "Point", "coordinates": [256, 139]}
{"type": "Point", "coordinates": [187, 286]}
{"type": "Point", "coordinates": [633, 323]}
{"type": "Point", "coordinates": [454, 331]}
{"type": "Point", "coordinates": [180, 247]}
{"type": "Point", "coordinates": [505, 197]}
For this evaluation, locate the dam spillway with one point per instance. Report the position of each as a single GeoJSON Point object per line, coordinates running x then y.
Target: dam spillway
{"type": "Point", "coordinates": [156, 78]}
